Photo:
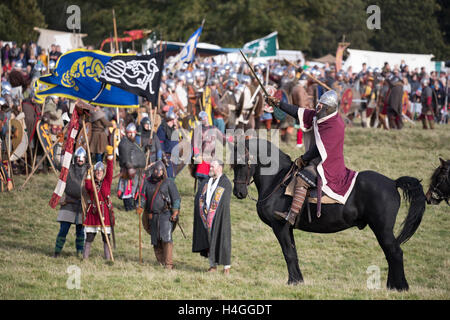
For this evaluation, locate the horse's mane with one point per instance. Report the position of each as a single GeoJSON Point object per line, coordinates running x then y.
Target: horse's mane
{"type": "Point", "coordinates": [283, 158]}
{"type": "Point", "coordinates": [443, 169]}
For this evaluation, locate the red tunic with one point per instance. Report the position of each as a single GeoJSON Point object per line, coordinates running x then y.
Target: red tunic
{"type": "Point", "coordinates": [92, 216]}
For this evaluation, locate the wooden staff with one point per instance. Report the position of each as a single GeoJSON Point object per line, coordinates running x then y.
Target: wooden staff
{"type": "Point", "coordinates": [312, 77]}
{"type": "Point", "coordinates": [35, 167]}
{"type": "Point", "coordinates": [139, 212]}
{"type": "Point", "coordinates": [99, 209]}
{"type": "Point", "coordinates": [8, 145]}
{"type": "Point", "coordinates": [115, 31]}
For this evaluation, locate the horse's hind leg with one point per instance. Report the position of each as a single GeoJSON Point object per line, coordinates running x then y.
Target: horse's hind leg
{"type": "Point", "coordinates": [394, 256]}
{"type": "Point", "coordinates": [285, 237]}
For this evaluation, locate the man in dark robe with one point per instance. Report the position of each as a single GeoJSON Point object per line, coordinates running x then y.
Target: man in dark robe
{"type": "Point", "coordinates": [394, 110]}
{"type": "Point", "coordinates": [212, 222]}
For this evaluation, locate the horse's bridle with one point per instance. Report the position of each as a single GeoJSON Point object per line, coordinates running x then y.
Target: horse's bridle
{"type": "Point", "coordinates": [247, 182]}
{"type": "Point", "coordinates": [437, 194]}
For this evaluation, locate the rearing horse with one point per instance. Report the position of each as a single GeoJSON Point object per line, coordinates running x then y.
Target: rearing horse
{"type": "Point", "coordinates": [374, 201]}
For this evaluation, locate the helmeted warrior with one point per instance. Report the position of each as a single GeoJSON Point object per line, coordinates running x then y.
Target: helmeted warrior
{"type": "Point", "coordinates": [131, 156]}
{"type": "Point", "coordinates": [162, 206]}
{"type": "Point", "coordinates": [195, 94]}
{"type": "Point", "coordinates": [71, 211]}
{"type": "Point", "coordinates": [250, 104]}
{"type": "Point", "coordinates": [323, 164]}
{"type": "Point", "coordinates": [150, 144]}
{"type": "Point", "coordinates": [228, 100]}
{"type": "Point", "coordinates": [102, 184]}
{"type": "Point", "coordinates": [164, 133]}
{"type": "Point", "coordinates": [204, 145]}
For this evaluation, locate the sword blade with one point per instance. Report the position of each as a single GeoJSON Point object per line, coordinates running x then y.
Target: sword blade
{"type": "Point", "coordinates": [254, 74]}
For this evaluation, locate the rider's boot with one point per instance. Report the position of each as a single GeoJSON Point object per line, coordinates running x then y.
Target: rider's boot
{"type": "Point", "coordinates": [300, 189]}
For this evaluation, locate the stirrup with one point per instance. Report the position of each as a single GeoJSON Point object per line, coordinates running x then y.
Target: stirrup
{"type": "Point", "coordinates": [281, 215]}
{"type": "Point", "coordinates": [288, 218]}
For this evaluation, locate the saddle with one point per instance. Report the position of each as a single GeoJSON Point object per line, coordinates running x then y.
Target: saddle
{"type": "Point", "coordinates": [311, 195]}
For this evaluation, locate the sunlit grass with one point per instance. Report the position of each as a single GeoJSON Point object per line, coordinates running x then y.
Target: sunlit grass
{"type": "Point", "coordinates": [334, 266]}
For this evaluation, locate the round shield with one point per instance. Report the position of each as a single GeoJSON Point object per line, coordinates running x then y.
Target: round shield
{"type": "Point", "coordinates": [81, 139]}
{"type": "Point", "coordinates": [346, 100]}
{"type": "Point", "coordinates": [17, 132]}
{"type": "Point", "coordinates": [21, 149]}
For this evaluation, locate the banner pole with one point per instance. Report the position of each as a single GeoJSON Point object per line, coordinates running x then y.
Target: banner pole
{"type": "Point", "coordinates": [115, 31]}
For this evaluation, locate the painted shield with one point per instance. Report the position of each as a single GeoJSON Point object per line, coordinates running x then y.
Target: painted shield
{"type": "Point", "coordinates": [405, 102]}
{"type": "Point", "coordinates": [19, 140]}
{"type": "Point", "coordinates": [17, 132]}
{"type": "Point", "coordinates": [43, 133]}
{"type": "Point", "coordinates": [346, 100]}
{"type": "Point", "coordinates": [81, 139]}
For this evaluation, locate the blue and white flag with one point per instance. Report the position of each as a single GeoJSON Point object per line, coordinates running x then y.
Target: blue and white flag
{"type": "Point", "coordinates": [76, 75]}
{"type": "Point", "coordinates": [187, 54]}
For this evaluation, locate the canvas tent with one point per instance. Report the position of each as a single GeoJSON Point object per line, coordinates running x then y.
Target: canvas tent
{"type": "Point", "coordinates": [290, 55]}
{"type": "Point", "coordinates": [377, 59]}
{"type": "Point", "coordinates": [67, 40]}
{"type": "Point", "coordinates": [203, 49]}
{"type": "Point", "coordinates": [329, 58]}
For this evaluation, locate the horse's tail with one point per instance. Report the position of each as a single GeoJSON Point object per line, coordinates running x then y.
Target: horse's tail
{"type": "Point", "coordinates": [412, 192]}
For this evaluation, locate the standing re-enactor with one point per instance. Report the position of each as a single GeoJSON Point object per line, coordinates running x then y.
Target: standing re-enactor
{"type": "Point", "coordinates": [71, 211]}
{"type": "Point", "coordinates": [212, 221]}
{"type": "Point", "coordinates": [427, 114]}
{"type": "Point", "coordinates": [92, 223]}
{"type": "Point", "coordinates": [162, 206]}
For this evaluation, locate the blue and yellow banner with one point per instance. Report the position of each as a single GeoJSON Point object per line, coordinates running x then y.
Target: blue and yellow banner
{"type": "Point", "coordinates": [76, 76]}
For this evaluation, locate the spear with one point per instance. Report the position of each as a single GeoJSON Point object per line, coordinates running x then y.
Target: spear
{"type": "Point", "coordinates": [254, 74]}
{"type": "Point", "coordinates": [312, 77]}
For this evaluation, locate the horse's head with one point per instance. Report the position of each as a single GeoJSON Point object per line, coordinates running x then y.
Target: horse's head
{"type": "Point", "coordinates": [440, 184]}
{"type": "Point", "coordinates": [243, 168]}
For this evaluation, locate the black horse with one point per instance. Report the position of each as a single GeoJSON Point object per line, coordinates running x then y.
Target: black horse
{"type": "Point", "coordinates": [440, 184]}
{"type": "Point", "coordinates": [374, 201]}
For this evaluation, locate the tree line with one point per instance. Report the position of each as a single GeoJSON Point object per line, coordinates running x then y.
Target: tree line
{"type": "Point", "coordinates": [314, 27]}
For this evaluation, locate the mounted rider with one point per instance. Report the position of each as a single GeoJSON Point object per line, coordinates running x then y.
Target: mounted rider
{"type": "Point", "coordinates": [322, 165]}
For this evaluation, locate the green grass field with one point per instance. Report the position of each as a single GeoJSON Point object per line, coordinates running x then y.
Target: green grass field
{"type": "Point", "coordinates": [334, 266]}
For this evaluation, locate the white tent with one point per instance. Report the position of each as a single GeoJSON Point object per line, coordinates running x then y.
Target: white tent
{"type": "Point", "coordinates": [67, 40]}
{"type": "Point", "coordinates": [376, 59]}
{"type": "Point", "coordinates": [291, 55]}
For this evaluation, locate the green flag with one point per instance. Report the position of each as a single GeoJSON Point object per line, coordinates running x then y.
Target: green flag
{"type": "Point", "coordinates": [264, 47]}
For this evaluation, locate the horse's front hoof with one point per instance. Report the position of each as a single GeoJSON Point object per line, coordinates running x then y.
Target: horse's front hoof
{"type": "Point", "coordinates": [399, 287]}
{"type": "Point", "coordinates": [294, 282]}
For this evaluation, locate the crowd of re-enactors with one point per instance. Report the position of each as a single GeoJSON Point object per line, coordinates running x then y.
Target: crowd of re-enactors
{"type": "Point", "coordinates": [219, 96]}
